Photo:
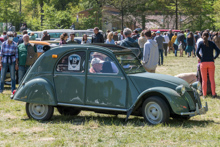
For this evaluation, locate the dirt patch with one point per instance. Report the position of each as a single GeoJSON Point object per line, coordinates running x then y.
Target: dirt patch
{"type": "Point", "coordinates": [47, 139]}
{"type": "Point", "coordinates": [36, 129]}
{"type": "Point", "coordinates": [9, 116]}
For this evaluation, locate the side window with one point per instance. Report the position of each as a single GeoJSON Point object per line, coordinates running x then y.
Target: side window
{"type": "Point", "coordinates": [100, 63]}
{"type": "Point", "coordinates": [73, 62]}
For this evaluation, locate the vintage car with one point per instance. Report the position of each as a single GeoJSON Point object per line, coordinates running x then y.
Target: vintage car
{"type": "Point", "coordinates": [104, 79]}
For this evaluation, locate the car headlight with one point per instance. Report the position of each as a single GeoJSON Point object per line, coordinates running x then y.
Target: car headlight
{"type": "Point", "coordinates": [196, 85]}
{"type": "Point", "coordinates": [181, 89]}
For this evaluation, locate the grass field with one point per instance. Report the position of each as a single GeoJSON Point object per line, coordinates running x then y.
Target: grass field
{"type": "Point", "coordinates": [92, 129]}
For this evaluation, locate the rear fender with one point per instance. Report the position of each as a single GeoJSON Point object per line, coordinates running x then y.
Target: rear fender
{"type": "Point", "coordinates": [37, 90]}
{"type": "Point", "coordinates": [176, 103]}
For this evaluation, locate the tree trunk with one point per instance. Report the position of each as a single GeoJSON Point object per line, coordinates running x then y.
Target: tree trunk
{"type": "Point", "coordinates": [176, 15]}
{"type": "Point", "coordinates": [143, 21]}
{"type": "Point", "coordinates": [42, 11]}
{"type": "Point", "coordinates": [122, 20]}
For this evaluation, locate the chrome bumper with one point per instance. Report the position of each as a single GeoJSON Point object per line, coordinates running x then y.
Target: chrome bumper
{"type": "Point", "coordinates": [198, 111]}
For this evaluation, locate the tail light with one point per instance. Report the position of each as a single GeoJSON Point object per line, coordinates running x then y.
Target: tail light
{"type": "Point", "coordinates": [14, 92]}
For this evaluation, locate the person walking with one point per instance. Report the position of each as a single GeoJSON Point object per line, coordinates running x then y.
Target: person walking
{"type": "Point", "coordinates": [121, 36]}
{"type": "Point", "coordinates": [20, 40]}
{"type": "Point", "coordinates": [8, 59]}
{"type": "Point", "coordinates": [150, 53]}
{"type": "Point", "coordinates": [216, 39]}
{"type": "Point", "coordinates": [115, 36]}
{"type": "Point", "coordinates": [16, 38]}
{"type": "Point", "coordinates": [141, 41]}
{"type": "Point", "coordinates": [136, 35]}
{"type": "Point", "coordinates": [63, 38]}
{"type": "Point", "coordinates": [207, 62]}
{"type": "Point", "coordinates": [175, 46]}
{"type": "Point", "coordinates": [128, 41]}
{"type": "Point", "coordinates": [46, 36]}
{"type": "Point", "coordinates": [190, 44]}
{"type": "Point", "coordinates": [181, 37]}
{"type": "Point", "coordinates": [32, 36]}
{"type": "Point", "coordinates": [170, 44]}
{"type": "Point", "coordinates": [72, 41]}
{"type": "Point", "coordinates": [97, 37]}
{"type": "Point", "coordinates": [165, 43]}
{"type": "Point", "coordinates": [27, 54]}
{"type": "Point", "coordinates": [85, 39]}
{"type": "Point", "coordinates": [159, 39]}
{"type": "Point", "coordinates": [110, 39]}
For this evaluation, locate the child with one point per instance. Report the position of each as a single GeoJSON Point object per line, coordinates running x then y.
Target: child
{"type": "Point", "coordinates": [180, 47]}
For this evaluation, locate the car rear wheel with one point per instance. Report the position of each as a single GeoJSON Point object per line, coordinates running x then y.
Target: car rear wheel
{"type": "Point", "coordinates": [155, 110]}
{"type": "Point", "coordinates": [68, 111]}
{"type": "Point", "coordinates": [39, 111]}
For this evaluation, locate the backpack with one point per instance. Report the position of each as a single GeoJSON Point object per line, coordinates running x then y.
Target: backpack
{"type": "Point", "coordinates": [31, 55]}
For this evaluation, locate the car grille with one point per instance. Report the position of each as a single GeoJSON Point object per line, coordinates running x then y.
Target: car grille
{"type": "Point", "coordinates": [195, 99]}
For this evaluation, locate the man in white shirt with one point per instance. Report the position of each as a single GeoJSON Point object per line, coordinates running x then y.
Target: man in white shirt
{"type": "Point", "coordinates": [165, 43]}
{"type": "Point", "coordinates": [150, 53]}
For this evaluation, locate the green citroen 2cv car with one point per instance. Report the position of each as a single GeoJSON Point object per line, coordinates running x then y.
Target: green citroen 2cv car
{"type": "Point", "coordinates": [104, 79]}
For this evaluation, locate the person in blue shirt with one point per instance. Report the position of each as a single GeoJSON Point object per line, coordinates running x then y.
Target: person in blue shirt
{"type": "Point", "coordinates": [110, 39]}
{"type": "Point", "coordinates": [15, 37]}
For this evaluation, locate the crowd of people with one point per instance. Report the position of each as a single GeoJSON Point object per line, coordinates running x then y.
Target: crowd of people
{"type": "Point", "coordinates": [18, 54]}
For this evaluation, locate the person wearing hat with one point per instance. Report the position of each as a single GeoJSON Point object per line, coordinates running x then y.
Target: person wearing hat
{"type": "Point", "coordinates": [96, 65]}
{"type": "Point", "coordinates": [45, 36]}
{"type": "Point", "coordinates": [26, 51]}
{"type": "Point", "coordinates": [72, 41]}
{"type": "Point", "coordinates": [8, 59]}
{"type": "Point", "coordinates": [159, 39]}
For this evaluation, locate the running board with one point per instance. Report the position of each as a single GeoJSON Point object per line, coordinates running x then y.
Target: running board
{"type": "Point", "coordinates": [92, 107]}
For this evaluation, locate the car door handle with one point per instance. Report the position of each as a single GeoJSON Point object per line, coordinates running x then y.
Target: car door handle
{"type": "Point", "coordinates": [122, 78]}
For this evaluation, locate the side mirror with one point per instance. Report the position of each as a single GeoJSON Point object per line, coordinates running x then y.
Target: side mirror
{"type": "Point", "coordinates": [46, 48]}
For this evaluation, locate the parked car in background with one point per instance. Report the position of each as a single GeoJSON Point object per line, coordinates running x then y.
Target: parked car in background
{"type": "Point", "coordinates": [38, 35]}
{"type": "Point", "coordinates": [104, 79]}
{"type": "Point", "coordinates": [42, 45]}
{"type": "Point", "coordinates": [55, 33]}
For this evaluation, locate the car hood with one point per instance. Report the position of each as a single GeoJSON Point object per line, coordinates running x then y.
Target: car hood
{"type": "Point", "coordinates": [147, 80]}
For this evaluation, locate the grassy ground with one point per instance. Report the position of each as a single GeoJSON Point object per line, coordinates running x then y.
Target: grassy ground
{"type": "Point", "coordinates": [91, 129]}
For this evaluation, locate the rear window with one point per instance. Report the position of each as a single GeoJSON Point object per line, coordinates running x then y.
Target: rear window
{"type": "Point", "coordinates": [55, 35]}
{"type": "Point", "coordinates": [130, 63]}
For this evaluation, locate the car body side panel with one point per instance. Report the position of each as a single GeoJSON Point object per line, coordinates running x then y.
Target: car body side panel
{"type": "Point", "coordinates": [70, 88]}
{"type": "Point", "coordinates": [38, 91]}
{"type": "Point", "coordinates": [176, 102]}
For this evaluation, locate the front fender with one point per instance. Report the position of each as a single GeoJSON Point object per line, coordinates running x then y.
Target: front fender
{"type": "Point", "coordinates": [177, 103]}
{"type": "Point", "coordinates": [37, 90]}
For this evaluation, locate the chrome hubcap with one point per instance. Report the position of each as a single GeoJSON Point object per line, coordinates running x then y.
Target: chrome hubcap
{"type": "Point", "coordinates": [38, 111]}
{"type": "Point", "coordinates": [153, 113]}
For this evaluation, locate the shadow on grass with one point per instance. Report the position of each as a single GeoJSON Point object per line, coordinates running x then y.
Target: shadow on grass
{"type": "Point", "coordinates": [120, 121]}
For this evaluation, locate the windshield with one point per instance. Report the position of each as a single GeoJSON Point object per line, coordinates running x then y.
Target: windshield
{"type": "Point", "coordinates": [80, 34]}
{"type": "Point", "coordinates": [130, 63]}
{"type": "Point", "coordinates": [55, 35]}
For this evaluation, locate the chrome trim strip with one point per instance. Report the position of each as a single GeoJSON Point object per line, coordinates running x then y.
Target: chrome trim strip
{"type": "Point", "coordinates": [92, 107]}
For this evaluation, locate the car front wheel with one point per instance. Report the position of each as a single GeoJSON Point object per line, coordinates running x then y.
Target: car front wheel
{"type": "Point", "coordinates": [68, 111]}
{"type": "Point", "coordinates": [155, 110]}
{"type": "Point", "coordinates": [39, 111]}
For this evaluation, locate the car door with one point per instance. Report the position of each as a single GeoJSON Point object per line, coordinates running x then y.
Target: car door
{"type": "Point", "coordinates": [105, 86]}
{"type": "Point", "coordinates": [69, 78]}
